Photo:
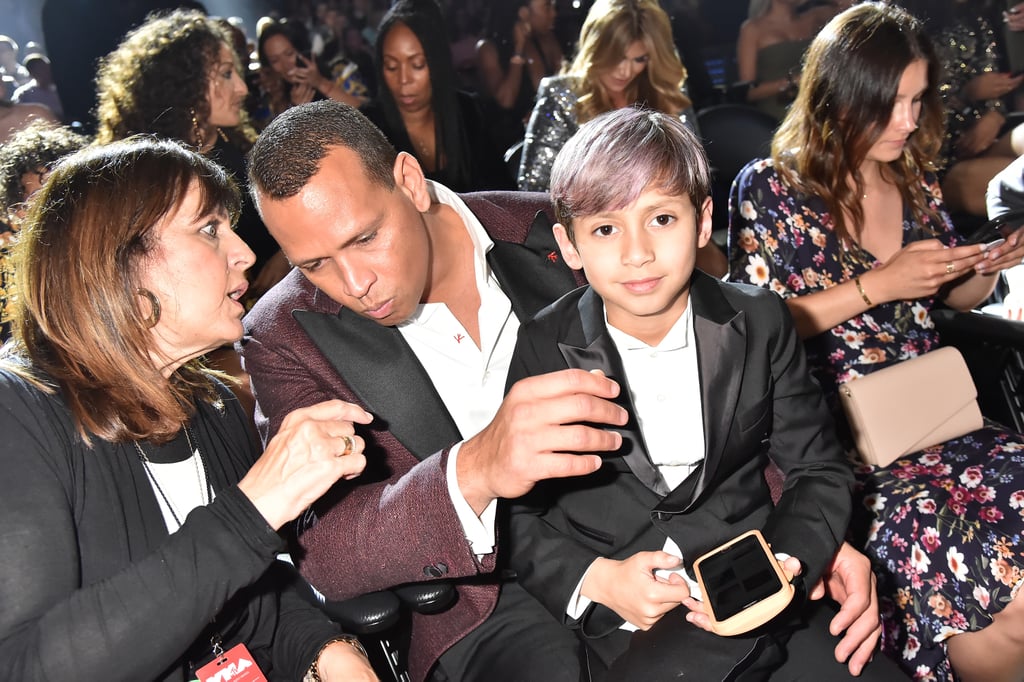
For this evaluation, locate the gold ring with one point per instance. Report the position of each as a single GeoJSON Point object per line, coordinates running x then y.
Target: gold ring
{"type": "Point", "coordinates": [949, 268]}
{"type": "Point", "coordinates": [350, 445]}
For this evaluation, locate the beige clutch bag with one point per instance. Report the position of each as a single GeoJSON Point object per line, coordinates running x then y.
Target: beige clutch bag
{"type": "Point", "coordinates": [911, 405]}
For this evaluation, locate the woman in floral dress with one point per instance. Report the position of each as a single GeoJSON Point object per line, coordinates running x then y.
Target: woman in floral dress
{"type": "Point", "coordinates": [846, 221]}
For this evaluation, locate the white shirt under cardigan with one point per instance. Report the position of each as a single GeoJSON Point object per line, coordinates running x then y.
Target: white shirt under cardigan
{"type": "Point", "coordinates": [470, 380]}
{"type": "Point", "coordinates": [664, 384]}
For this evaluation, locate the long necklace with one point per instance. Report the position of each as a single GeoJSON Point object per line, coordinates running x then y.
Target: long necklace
{"type": "Point", "coordinates": [204, 490]}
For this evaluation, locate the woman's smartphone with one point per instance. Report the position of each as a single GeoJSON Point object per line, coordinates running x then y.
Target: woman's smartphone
{"type": "Point", "coordinates": [998, 228]}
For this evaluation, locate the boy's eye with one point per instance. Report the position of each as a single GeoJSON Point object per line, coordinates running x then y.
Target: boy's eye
{"type": "Point", "coordinates": [604, 230]}
{"type": "Point", "coordinates": [313, 266]}
{"type": "Point", "coordinates": [664, 219]}
{"type": "Point", "coordinates": [210, 229]}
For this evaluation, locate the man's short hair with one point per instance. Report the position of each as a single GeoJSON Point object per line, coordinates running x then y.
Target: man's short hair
{"type": "Point", "coordinates": [613, 158]}
{"type": "Point", "coordinates": [289, 151]}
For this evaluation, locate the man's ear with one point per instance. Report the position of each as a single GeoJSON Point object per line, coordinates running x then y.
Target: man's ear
{"type": "Point", "coordinates": [569, 253]}
{"type": "Point", "coordinates": [410, 180]}
{"type": "Point", "coordinates": [524, 13]}
{"type": "Point", "coordinates": [704, 224]}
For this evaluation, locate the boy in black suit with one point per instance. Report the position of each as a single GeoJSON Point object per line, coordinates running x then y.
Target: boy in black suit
{"type": "Point", "coordinates": [715, 380]}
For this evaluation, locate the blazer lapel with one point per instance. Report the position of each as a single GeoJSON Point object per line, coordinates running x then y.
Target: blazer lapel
{"type": "Point", "coordinates": [531, 274]}
{"type": "Point", "coordinates": [594, 349]}
{"type": "Point", "coordinates": [720, 334]}
{"type": "Point", "coordinates": [380, 368]}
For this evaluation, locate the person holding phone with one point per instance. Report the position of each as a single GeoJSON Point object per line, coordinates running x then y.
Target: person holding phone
{"type": "Point", "coordinates": [850, 229]}
{"type": "Point", "coordinates": [975, 89]}
{"type": "Point", "coordinates": [715, 384]}
{"type": "Point", "coordinates": [293, 76]}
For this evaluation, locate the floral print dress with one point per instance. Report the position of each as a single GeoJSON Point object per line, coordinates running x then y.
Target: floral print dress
{"type": "Point", "coordinates": [942, 526]}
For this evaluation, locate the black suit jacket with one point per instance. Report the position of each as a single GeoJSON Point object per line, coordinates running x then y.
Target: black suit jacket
{"type": "Point", "coordinates": [758, 402]}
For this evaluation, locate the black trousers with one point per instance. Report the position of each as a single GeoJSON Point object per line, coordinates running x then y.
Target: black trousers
{"type": "Point", "coordinates": [676, 650]}
{"type": "Point", "coordinates": [519, 642]}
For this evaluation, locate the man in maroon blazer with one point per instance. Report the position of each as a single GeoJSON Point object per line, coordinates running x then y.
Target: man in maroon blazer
{"type": "Point", "coordinates": [406, 299]}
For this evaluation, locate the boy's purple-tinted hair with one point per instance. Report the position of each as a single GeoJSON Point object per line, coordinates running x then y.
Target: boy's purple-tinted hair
{"type": "Point", "coordinates": [612, 159]}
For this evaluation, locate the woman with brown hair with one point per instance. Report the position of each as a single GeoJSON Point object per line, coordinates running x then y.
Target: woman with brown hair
{"type": "Point", "coordinates": [846, 222]}
{"type": "Point", "coordinates": [138, 528]}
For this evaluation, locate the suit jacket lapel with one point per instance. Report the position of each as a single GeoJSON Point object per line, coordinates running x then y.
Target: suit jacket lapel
{"type": "Point", "coordinates": [532, 274]}
{"type": "Point", "coordinates": [720, 335]}
{"type": "Point", "coordinates": [590, 347]}
{"type": "Point", "coordinates": [380, 368]}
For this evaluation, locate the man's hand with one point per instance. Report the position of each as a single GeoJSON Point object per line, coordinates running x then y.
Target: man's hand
{"type": "Point", "coordinates": [850, 582]}
{"type": "Point", "coordinates": [540, 424]}
{"type": "Point", "coordinates": [630, 588]}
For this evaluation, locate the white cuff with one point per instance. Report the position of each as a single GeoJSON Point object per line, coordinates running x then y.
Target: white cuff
{"type": "Point", "coordinates": [479, 530]}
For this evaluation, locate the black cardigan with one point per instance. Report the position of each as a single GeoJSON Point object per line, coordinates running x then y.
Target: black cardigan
{"type": "Point", "coordinates": [92, 587]}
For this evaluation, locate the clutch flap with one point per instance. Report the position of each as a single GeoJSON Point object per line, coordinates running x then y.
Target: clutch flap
{"type": "Point", "coordinates": [911, 405]}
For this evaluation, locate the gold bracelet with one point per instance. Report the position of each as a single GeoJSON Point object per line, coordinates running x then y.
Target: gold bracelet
{"type": "Point", "coordinates": [860, 288]}
{"type": "Point", "coordinates": [313, 673]}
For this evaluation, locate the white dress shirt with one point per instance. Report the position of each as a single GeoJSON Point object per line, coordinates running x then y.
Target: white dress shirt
{"type": "Point", "coordinates": [664, 385]}
{"type": "Point", "coordinates": [470, 380]}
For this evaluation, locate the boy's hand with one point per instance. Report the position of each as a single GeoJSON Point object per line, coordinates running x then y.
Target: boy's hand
{"type": "Point", "coordinates": [630, 588]}
{"type": "Point", "coordinates": [850, 581]}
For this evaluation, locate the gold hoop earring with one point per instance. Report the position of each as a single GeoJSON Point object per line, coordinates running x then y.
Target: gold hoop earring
{"type": "Point", "coordinates": [154, 307]}
{"type": "Point", "coordinates": [197, 132]}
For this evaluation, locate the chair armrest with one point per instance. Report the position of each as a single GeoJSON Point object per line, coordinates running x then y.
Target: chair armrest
{"type": "Point", "coordinates": [366, 614]}
{"type": "Point", "coordinates": [977, 327]}
{"type": "Point", "coordinates": [427, 597]}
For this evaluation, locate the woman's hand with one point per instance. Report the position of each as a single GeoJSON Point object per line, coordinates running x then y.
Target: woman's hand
{"type": "Point", "coordinates": [341, 662]}
{"type": "Point", "coordinates": [520, 34]}
{"type": "Point", "coordinates": [1014, 17]}
{"type": "Point", "coordinates": [991, 85]}
{"type": "Point", "coordinates": [980, 136]}
{"type": "Point", "coordinates": [919, 270]}
{"type": "Point", "coordinates": [301, 94]}
{"type": "Point", "coordinates": [1005, 255]}
{"type": "Point", "coordinates": [314, 447]}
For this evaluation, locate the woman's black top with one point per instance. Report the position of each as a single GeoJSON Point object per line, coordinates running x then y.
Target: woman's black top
{"type": "Point", "coordinates": [92, 586]}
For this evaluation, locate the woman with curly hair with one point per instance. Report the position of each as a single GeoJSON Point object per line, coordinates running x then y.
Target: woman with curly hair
{"type": "Point", "coordinates": [625, 57]}
{"type": "Point", "coordinates": [847, 223]}
{"type": "Point", "coordinates": [176, 76]}
{"type": "Point", "coordinates": [419, 107]}
{"type": "Point", "coordinates": [25, 161]}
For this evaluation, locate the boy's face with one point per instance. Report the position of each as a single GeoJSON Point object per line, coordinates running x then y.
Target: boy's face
{"type": "Point", "coordinates": [640, 259]}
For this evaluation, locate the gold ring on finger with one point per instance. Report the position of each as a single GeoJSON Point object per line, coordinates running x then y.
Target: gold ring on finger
{"type": "Point", "coordinates": [949, 268]}
{"type": "Point", "coordinates": [350, 445]}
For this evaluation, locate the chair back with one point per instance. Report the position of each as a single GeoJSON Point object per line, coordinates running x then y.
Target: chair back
{"type": "Point", "coordinates": [733, 135]}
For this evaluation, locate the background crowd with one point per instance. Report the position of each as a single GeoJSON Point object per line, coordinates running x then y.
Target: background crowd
{"type": "Point", "coordinates": [484, 95]}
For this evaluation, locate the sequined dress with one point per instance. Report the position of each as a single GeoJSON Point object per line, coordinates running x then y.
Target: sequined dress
{"type": "Point", "coordinates": [942, 526]}
{"type": "Point", "coordinates": [966, 48]}
{"type": "Point", "coordinates": [552, 122]}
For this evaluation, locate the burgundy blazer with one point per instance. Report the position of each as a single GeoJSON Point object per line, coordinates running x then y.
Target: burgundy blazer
{"type": "Point", "coordinates": [394, 523]}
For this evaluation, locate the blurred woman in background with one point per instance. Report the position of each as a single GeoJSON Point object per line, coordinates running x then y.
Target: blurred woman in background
{"type": "Point", "coordinates": [625, 57]}
{"type": "Point", "coordinates": [419, 107]}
